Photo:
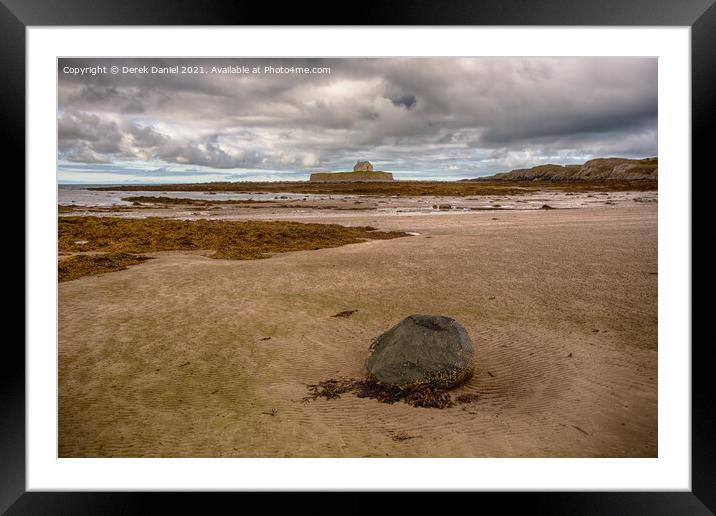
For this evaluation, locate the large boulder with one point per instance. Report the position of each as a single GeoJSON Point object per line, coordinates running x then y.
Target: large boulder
{"type": "Point", "coordinates": [422, 350]}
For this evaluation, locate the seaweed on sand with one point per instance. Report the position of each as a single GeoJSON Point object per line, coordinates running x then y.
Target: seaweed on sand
{"type": "Point", "coordinates": [120, 240]}
{"type": "Point", "coordinates": [77, 266]}
{"type": "Point", "coordinates": [232, 240]}
{"type": "Point", "coordinates": [467, 398]}
{"type": "Point", "coordinates": [420, 396]}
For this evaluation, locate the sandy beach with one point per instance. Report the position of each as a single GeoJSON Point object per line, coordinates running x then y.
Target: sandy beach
{"type": "Point", "coordinates": [188, 356]}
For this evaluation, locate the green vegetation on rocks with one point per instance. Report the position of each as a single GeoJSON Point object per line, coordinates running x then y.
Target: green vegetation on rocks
{"type": "Point", "coordinates": [363, 175]}
{"type": "Point", "coordinates": [601, 169]}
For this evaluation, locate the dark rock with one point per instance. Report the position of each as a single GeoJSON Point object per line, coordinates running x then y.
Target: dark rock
{"type": "Point", "coordinates": [422, 350]}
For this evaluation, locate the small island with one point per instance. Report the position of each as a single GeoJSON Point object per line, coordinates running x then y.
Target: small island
{"type": "Point", "coordinates": [362, 172]}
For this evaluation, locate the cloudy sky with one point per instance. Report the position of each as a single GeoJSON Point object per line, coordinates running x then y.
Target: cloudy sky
{"type": "Point", "coordinates": [434, 118]}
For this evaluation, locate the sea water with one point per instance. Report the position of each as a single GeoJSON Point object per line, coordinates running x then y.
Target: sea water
{"type": "Point", "coordinates": [83, 195]}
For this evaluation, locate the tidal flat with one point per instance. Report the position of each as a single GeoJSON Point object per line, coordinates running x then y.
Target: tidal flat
{"type": "Point", "coordinates": [204, 351]}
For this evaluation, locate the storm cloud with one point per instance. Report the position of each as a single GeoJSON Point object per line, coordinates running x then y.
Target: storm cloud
{"type": "Point", "coordinates": [440, 118]}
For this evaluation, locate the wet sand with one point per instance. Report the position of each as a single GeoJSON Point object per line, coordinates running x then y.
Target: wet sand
{"type": "Point", "coordinates": [187, 356]}
{"type": "Point", "coordinates": [293, 206]}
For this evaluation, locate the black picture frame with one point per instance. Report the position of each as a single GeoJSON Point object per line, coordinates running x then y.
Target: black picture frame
{"type": "Point", "coordinates": [16, 15]}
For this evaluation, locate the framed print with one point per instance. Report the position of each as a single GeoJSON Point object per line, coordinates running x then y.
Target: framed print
{"type": "Point", "coordinates": [423, 252]}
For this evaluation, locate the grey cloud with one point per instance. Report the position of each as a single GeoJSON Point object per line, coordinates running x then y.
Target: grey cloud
{"type": "Point", "coordinates": [83, 153]}
{"type": "Point", "coordinates": [147, 136]}
{"type": "Point", "coordinates": [133, 106]}
{"type": "Point", "coordinates": [209, 155]}
{"type": "Point", "coordinates": [89, 127]}
{"type": "Point", "coordinates": [419, 114]}
{"type": "Point", "coordinates": [125, 100]}
{"type": "Point", "coordinates": [406, 101]}
{"type": "Point", "coordinates": [89, 138]}
{"type": "Point", "coordinates": [82, 132]}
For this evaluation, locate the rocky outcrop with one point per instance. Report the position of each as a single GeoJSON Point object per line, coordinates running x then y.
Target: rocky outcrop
{"type": "Point", "coordinates": [619, 168]}
{"type": "Point", "coordinates": [422, 350]}
{"type": "Point", "coordinates": [602, 169]}
{"type": "Point", "coordinates": [343, 177]}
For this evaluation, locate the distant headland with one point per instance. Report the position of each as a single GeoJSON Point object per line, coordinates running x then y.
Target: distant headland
{"type": "Point", "coordinates": [596, 170]}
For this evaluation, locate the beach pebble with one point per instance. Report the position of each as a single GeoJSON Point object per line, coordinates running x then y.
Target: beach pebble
{"type": "Point", "coordinates": [422, 349]}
